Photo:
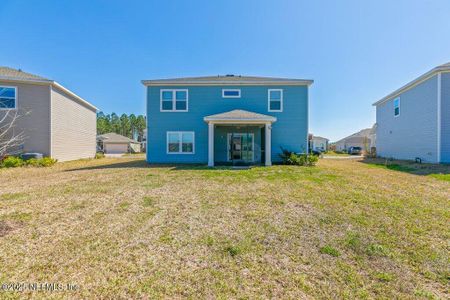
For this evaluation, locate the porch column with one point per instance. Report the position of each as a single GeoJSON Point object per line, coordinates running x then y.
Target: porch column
{"type": "Point", "coordinates": [210, 144]}
{"type": "Point", "coordinates": [268, 137]}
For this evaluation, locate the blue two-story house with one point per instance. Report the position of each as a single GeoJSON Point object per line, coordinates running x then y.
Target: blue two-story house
{"type": "Point", "coordinates": [226, 119]}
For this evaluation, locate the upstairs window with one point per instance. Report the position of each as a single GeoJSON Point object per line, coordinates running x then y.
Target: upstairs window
{"type": "Point", "coordinates": [8, 97]}
{"type": "Point", "coordinates": [174, 100]}
{"type": "Point", "coordinates": [396, 107]}
{"type": "Point", "coordinates": [180, 142]}
{"type": "Point", "coordinates": [231, 93]}
{"type": "Point", "coordinates": [275, 100]}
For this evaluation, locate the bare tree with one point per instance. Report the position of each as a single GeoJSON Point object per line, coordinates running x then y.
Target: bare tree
{"type": "Point", "coordinates": [11, 139]}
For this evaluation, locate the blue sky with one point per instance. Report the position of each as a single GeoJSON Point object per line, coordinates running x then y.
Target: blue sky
{"type": "Point", "coordinates": [356, 51]}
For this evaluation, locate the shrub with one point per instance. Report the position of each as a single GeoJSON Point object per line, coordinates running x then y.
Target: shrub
{"type": "Point", "coordinates": [12, 162]}
{"type": "Point", "coordinates": [99, 155]}
{"type": "Point", "coordinates": [41, 162]}
{"type": "Point", "coordinates": [291, 158]}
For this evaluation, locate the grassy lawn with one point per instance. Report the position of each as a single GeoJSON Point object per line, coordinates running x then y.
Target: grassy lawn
{"type": "Point", "coordinates": [118, 228]}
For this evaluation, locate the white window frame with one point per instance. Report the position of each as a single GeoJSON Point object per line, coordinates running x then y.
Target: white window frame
{"type": "Point", "coordinates": [281, 100]}
{"type": "Point", "coordinates": [240, 134]}
{"type": "Point", "coordinates": [174, 100]}
{"type": "Point", "coordinates": [15, 98]}
{"type": "Point", "coordinates": [399, 108]}
{"type": "Point", "coordinates": [231, 90]}
{"type": "Point", "coordinates": [180, 133]}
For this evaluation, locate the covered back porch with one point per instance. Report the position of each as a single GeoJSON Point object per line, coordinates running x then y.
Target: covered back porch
{"type": "Point", "coordinates": [239, 137]}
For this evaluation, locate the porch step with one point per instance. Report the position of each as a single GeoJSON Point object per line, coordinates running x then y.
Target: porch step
{"type": "Point", "coordinates": [240, 167]}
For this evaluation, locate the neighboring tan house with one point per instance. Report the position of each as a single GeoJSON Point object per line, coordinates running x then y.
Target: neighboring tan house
{"type": "Point", "coordinates": [113, 143]}
{"type": "Point", "coordinates": [226, 119]}
{"type": "Point", "coordinates": [319, 143]}
{"type": "Point", "coordinates": [359, 139]}
{"type": "Point", "coordinates": [414, 121]}
{"type": "Point", "coordinates": [55, 121]}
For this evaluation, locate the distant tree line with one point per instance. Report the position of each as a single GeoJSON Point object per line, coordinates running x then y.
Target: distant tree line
{"type": "Point", "coordinates": [131, 126]}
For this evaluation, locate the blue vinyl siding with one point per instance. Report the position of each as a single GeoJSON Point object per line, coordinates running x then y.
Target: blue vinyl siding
{"type": "Point", "coordinates": [445, 117]}
{"type": "Point", "coordinates": [289, 131]}
{"type": "Point", "coordinates": [414, 132]}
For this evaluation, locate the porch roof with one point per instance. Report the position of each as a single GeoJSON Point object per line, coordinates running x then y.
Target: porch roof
{"type": "Point", "coordinates": [239, 116]}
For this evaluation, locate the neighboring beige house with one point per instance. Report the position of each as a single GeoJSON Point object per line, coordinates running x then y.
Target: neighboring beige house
{"type": "Point", "coordinates": [113, 143]}
{"type": "Point", "coordinates": [55, 121]}
{"type": "Point", "coordinates": [319, 143]}
{"type": "Point", "coordinates": [364, 139]}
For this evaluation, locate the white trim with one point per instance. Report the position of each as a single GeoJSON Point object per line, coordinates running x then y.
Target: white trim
{"type": "Point", "coordinates": [50, 89]}
{"type": "Point", "coordinates": [439, 116]}
{"type": "Point", "coordinates": [210, 145]}
{"type": "Point", "coordinates": [239, 121]}
{"type": "Point", "coordinates": [16, 97]}
{"type": "Point", "coordinates": [174, 92]}
{"type": "Point", "coordinates": [307, 122]}
{"type": "Point", "coordinates": [281, 100]}
{"type": "Point", "coordinates": [231, 90]}
{"type": "Point", "coordinates": [180, 133]}
{"type": "Point", "coordinates": [415, 82]}
{"type": "Point", "coordinates": [268, 144]}
{"type": "Point", "coordinates": [399, 106]}
{"type": "Point", "coordinates": [240, 134]}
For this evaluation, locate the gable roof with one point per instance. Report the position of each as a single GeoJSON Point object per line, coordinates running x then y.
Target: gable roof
{"type": "Point", "coordinates": [17, 75]}
{"type": "Point", "coordinates": [360, 134]}
{"type": "Point", "coordinates": [239, 115]}
{"type": "Point", "coordinates": [228, 80]}
{"type": "Point", "coordinates": [113, 137]}
{"type": "Point", "coordinates": [429, 74]}
{"type": "Point", "coordinates": [319, 137]}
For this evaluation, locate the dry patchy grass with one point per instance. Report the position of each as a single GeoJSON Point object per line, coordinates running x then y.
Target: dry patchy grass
{"type": "Point", "coordinates": [119, 228]}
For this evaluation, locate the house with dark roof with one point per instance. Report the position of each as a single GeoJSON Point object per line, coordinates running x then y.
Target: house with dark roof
{"type": "Point", "coordinates": [227, 119]}
{"type": "Point", "coordinates": [113, 143]}
{"type": "Point", "coordinates": [49, 118]}
{"type": "Point", "coordinates": [413, 122]}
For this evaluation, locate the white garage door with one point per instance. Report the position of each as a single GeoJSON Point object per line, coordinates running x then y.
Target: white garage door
{"type": "Point", "coordinates": [116, 148]}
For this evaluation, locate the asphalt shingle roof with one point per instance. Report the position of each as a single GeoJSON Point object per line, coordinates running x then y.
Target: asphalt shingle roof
{"type": "Point", "coordinates": [227, 79]}
{"type": "Point", "coordinates": [10, 73]}
{"type": "Point", "coordinates": [115, 138]}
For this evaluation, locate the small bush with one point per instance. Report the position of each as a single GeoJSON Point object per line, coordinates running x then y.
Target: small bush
{"type": "Point", "coordinates": [41, 162]}
{"type": "Point", "coordinates": [291, 158]}
{"type": "Point", "coordinates": [99, 155]}
{"type": "Point", "coordinates": [12, 162]}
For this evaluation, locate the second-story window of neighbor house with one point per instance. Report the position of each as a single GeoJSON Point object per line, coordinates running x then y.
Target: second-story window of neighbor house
{"type": "Point", "coordinates": [275, 100]}
{"type": "Point", "coordinates": [231, 93]}
{"type": "Point", "coordinates": [396, 107]}
{"type": "Point", "coordinates": [8, 97]}
{"type": "Point", "coordinates": [174, 100]}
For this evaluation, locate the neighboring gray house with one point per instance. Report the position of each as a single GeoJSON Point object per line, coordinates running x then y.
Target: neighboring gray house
{"type": "Point", "coordinates": [113, 143]}
{"type": "Point", "coordinates": [414, 121]}
{"type": "Point", "coordinates": [55, 121]}
{"type": "Point", "coordinates": [360, 139]}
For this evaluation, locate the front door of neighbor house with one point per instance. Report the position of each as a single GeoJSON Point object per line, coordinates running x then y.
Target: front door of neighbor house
{"type": "Point", "coordinates": [241, 148]}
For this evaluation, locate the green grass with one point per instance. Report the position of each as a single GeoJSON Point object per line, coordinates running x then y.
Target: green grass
{"type": "Point", "coordinates": [119, 228]}
{"type": "Point", "coordinates": [444, 177]}
{"type": "Point", "coordinates": [330, 251]}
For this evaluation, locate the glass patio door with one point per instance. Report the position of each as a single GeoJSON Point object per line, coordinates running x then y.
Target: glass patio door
{"type": "Point", "coordinates": [240, 146]}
